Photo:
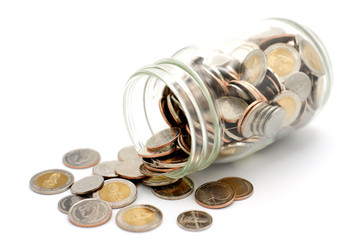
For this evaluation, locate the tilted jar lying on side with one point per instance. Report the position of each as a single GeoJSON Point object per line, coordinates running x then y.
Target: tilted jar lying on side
{"type": "Point", "coordinates": [227, 100]}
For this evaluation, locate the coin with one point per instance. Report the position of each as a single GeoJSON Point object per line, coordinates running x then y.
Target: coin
{"type": "Point", "coordinates": [161, 152]}
{"type": "Point", "coordinates": [166, 113]}
{"type": "Point", "coordinates": [291, 103]}
{"type": "Point", "coordinates": [246, 125]}
{"type": "Point", "coordinates": [242, 187]}
{"type": "Point", "coordinates": [117, 192]}
{"type": "Point", "coordinates": [87, 184]}
{"type": "Point", "coordinates": [282, 38]}
{"type": "Point", "coordinates": [178, 190]}
{"type": "Point", "coordinates": [283, 59]}
{"type": "Point", "coordinates": [176, 159]}
{"type": "Point", "coordinates": [89, 213]}
{"type": "Point", "coordinates": [175, 111]}
{"type": "Point", "coordinates": [231, 108]}
{"type": "Point", "coordinates": [163, 138]}
{"type": "Point", "coordinates": [299, 83]}
{"type": "Point", "coordinates": [214, 195]}
{"type": "Point", "coordinates": [161, 180]}
{"type": "Point", "coordinates": [66, 202]}
{"type": "Point", "coordinates": [106, 169]}
{"type": "Point", "coordinates": [129, 163]}
{"type": "Point", "coordinates": [194, 220]}
{"type": "Point", "coordinates": [235, 150]}
{"type": "Point", "coordinates": [51, 181]}
{"type": "Point", "coordinates": [311, 58]}
{"type": "Point", "coordinates": [81, 158]}
{"type": "Point", "coordinates": [139, 218]}
{"type": "Point", "coordinates": [254, 67]}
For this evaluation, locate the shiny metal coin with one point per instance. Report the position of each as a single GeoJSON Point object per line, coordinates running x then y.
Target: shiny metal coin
{"type": "Point", "coordinates": [175, 111]}
{"type": "Point", "coordinates": [81, 158]}
{"type": "Point", "coordinates": [242, 187]}
{"type": "Point", "coordinates": [283, 59]}
{"type": "Point", "coordinates": [158, 181]}
{"type": "Point", "coordinates": [231, 108]}
{"type": "Point", "coordinates": [161, 152]}
{"type": "Point", "coordinates": [291, 102]}
{"type": "Point", "coordinates": [253, 67]}
{"type": "Point", "coordinates": [106, 169]}
{"type": "Point", "coordinates": [235, 150]}
{"type": "Point", "coordinates": [66, 202]}
{"type": "Point", "coordinates": [129, 164]}
{"type": "Point", "coordinates": [236, 91]}
{"type": "Point", "coordinates": [176, 159]}
{"type": "Point", "coordinates": [164, 110]}
{"type": "Point", "coordinates": [139, 218]}
{"type": "Point", "coordinates": [194, 220]}
{"type": "Point", "coordinates": [283, 38]}
{"type": "Point", "coordinates": [246, 126]}
{"type": "Point", "coordinates": [177, 190]}
{"type": "Point", "coordinates": [87, 184]}
{"type": "Point", "coordinates": [214, 195]}
{"type": "Point", "coordinates": [51, 181]}
{"type": "Point", "coordinates": [311, 58]}
{"type": "Point", "coordinates": [89, 213]}
{"type": "Point", "coordinates": [273, 121]}
{"type": "Point", "coordinates": [162, 139]}
{"type": "Point", "coordinates": [117, 192]}
{"type": "Point", "coordinates": [145, 170]}
{"type": "Point", "coordinates": [299, 83]}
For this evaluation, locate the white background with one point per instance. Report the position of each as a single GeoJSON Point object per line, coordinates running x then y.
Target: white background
{"type": "Point", "coordinates": [63, 68]}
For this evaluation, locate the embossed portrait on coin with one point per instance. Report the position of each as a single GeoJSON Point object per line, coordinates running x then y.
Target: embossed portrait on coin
{"type": "Point", "coordinates": [89, 211]}
{"type": "Point", "coordinates": [77, 158]}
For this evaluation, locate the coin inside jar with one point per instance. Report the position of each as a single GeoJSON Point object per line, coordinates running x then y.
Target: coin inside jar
{"type": "Point", "coordinates": [311, 58]}
{"type": "Point", "coordinates": [139, 218]}
{"type": "Point", "coordinates": [163, 138]}
{"type": "Point", "coordinates": [242, 187]}
{"type": "Point", "coordinates": [231, 108]}
{"type": "Point", "coordinates": [194, 220]}
{"type": "Point", "coordinates": [51, 181]}
{"type": "Point", "coordinates": [89, 213]}
{"type": "Point", "coordinates": [215, 195]}
{"type": "Point", "coordinates": [291, 103]}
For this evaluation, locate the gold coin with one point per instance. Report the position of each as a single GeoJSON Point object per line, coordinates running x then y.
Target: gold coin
{"type": "Point", "coordinates": [51, 181]}
{"type": "Point", "coordinates": [311, 58]}
{"type": "Point", "coordinates": [283, 59]}
{"type": "Point", "coordinates": [139, 218]}
{"type": "Point", "coordinates": [291, 103]}
{"type": "Point", "coordinates": [242, 187]}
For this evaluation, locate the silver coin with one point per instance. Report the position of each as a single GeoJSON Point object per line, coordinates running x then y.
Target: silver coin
{"type": "Point", "coordinates": [176, 159]}
{"type": "Point", "coordinates": [81, 158]}
{"type": "Point", "coordinates": [139, 218]}
{"type": "Point", "coordinates": [231, 108]}
{"type": "Point", "coordinates": [66, 202]}
{"type": "Point", "coordinates": [51, 181]}
{"type": "Point", "coordinates": [274, 121]}
{"type": "Point", "coordinates": [129, 164]}
{"type": "Point", "coordinates": [161, 152]}
{"type": "Point", "coordinates": [177, 190]}
{"type": "Point", "coordinates": [161, 180]}
{"type": "Point", "coordinates": [149, 173]}
{"type": "Point", "coordinates": [248, 121]}
{"type": "Point", "coordinates": [87, 184]}
{"type": "Point", "coordinates": [162, 138]}
{"type": "Point", "coordinates": [117, 192]}
{"type": "Point", "coordinates": [299, 83]}
{"type": "Point", "coordinates": [236, 91]}
{"type": "Point", "coordinates": [106, 169]}
{"type": "Point", "coordinates": [89, 213]}
{"type": "Point", "coordinates": [194, 220]}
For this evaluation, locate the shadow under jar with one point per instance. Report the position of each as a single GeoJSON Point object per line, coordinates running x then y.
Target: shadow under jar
{"type": "Point", "coordinates": [228, 99]}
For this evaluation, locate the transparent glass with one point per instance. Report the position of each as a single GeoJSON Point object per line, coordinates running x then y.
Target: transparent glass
{"type": "Point", "coordinates": [237, 95]}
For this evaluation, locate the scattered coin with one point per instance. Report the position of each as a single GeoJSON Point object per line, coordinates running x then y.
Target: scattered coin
{"type": "Point", "coordinates": [194, 220]}
{"type": "Point", "coordinates": [117, 192]}
{"type": "Point", "coordinates": [90, 213]}
{"type": "Point", "coordinates": [242, 187]}
{"type": "Point", "coordinates": [106, 169]}
{"type": "Point", "coordinates": [51, 181]}
{"type": "Point", "coordinates": [214, 195]}
{"type": "Point", "coordinates": [139, 218]}
{"type": "Point", "coordinates": [129, 164]}
{"type": "Point", "coordinates": [87, 184]}
{"type": "Point", "coordinates": [66, 202]}
{"type": "Point", "coordinates": [177, 190]}
{"type": "Point", "coordinates": [81, 158]}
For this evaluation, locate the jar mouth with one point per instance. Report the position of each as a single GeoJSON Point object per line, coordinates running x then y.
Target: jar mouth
{"type": "Point", "coordinates": [192, 94]}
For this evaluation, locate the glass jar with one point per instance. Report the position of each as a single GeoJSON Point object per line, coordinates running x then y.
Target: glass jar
{"type": "Point", "coordinates": [233, 97]}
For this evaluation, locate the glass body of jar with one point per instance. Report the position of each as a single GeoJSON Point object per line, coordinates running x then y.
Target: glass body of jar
{"type": "Point", "coordinates": [233, 97]}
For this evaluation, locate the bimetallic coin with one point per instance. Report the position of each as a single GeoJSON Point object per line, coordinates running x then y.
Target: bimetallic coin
{"type": "Point", "coordinates": [299, 83]}
{"type": "Point", "coordinates": [215, 195]}
{"type": "Point", "coordinates": [162, 139]}
{"type": "Point", "coordinates": [81, 158]}
{"type": "Point", "coordinates": [51, 181]}
{"type": "Point", "coordinates": [194, 220]}
{"type": "Point", "coordinates": [117, 192]}
{"type": "Point", "coordinates": [90, 213]}
{"type": "Point", "coordinates": [282, 38]}
{"type": "Point", "coordinates": [291, 103]}
{"type": "Point", "coordinates": [178, 190]}
{"type": "Point", "coordinates": [231, 108]}
{"type": "Point", "coordinates": [283, 59]}
{"type": "Point", "coordinates": [139, 218]}
{"type": "Point", "coordinates": [106, 169]}
{"type": "Point", "coordinates": [129, 163]}
{"type": "Point", "coordinates": [87, 185]}
{"type": "Point", "coordinates": [311, 58]}
{"type": "Point", "coordinates": [253, 68]}
{"type": "Point", "coordinates": [242, 187]}
{"type": "Point", "coordinates": [66, 202]}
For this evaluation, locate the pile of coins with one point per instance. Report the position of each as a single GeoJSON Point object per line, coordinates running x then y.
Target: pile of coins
{"type": "Point", "coordinates": [113, 186]}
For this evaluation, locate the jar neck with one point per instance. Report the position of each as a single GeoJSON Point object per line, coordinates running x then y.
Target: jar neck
{"type": "Point", "coordinates": [195, 100]}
